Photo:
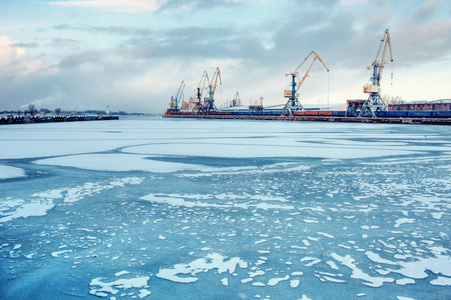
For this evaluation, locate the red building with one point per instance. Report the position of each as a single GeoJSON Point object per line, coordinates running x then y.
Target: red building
{"type": "Point", "coordinates": [444, 104]}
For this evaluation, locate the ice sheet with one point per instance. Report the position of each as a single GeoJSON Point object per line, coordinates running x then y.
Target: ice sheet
{"type": "Point", "coordinates": [225, 210]}
{"type": "Point", "coordinates": [120, 162]}
{"type": "Point", "coordinates": [8, 172]}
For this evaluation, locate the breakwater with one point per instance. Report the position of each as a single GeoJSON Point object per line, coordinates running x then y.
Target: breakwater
{"type": "Point", "coordinates": [11, 119]}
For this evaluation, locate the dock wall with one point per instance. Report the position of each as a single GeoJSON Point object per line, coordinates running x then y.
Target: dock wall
{"type": "Point", "coordinates": [428, 121]}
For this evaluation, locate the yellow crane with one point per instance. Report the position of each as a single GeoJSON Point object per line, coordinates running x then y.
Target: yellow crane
{"type": "Point", "coordinates": [293, 101]}
{"type": "Point", "coordinates": [204, 80]}
{"type": "Point", "coordinates": [210, 105]}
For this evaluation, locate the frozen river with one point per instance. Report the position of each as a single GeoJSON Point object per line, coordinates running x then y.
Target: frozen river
{"type": "Point", "coordinates": [210, 209]}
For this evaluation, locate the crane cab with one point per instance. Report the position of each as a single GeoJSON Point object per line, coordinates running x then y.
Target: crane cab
{"type": "Point", "coordinates": [288, 94]}
{"type": "Point", "coordinates": [371, 89]}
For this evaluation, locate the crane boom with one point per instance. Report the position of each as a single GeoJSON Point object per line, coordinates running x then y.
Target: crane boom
{"type": "Point", "coordinates": [308, 71]}
{"type": "Point", "coordinates": [210, 106]}
{"type": "Point", "coordinates": [293, 102]}
{"type": "Point", "coordinates": [202, 85]}
{"type": "Point", "coordinates": [215, 78]}
{"type": "Point", "coordinates": [174, 104]}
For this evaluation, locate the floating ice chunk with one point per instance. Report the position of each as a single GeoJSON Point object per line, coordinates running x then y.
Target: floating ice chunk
{"type": "Point", "coordinates": [404, 298]}
{"type": "Point", "coordinates": [376, 258]}
{"type": "Point", "coordinates": [8, 172]}
{"type": "Point", "coordinates": [335, 280]}
{"type": "Point", "coordinates": [179, 200]}
{"type": "Point", "coordinates": [313, 260]}
{"type": "Point", "coordinates": [107, 287]}
{"type": "Point", "coordinates": [417, 269]}
{"type": "Point", "coordinates": [258, 284]}
{"type": "Point", "coordinates": [128, 180]}
{"type": "Point", "coordinates": [274, 281]}
{"type": "Point", "coordinates": [256, 273]}
{"type": "Point", "coordinates": [88, 189]}
{"type": "Point", "coordinates": [401, 221]}
{"type": "Point", "coordinates": [17, 208]}
{"type": "Point", "coordinates": [212, 261]}
{"type": "Point", "coordinates": [225, 281]}
{"type": "Point", "coordinates": [58, 253]}
{"type": "Point", "coordinates": [326, 235]}
{"type": "Point", "coordinates": [143, 293]}
{"type": "Point", "coordinates": [440, 280]}
{"type": "Point", "coordinates": [260, 241]}
{"type": "Point", "coordinates": [332, 264]}
{"type": "Point", "coordinates": [161, 237]}
{"type": "Point", "coordinates": [294, 283]}
{"type": "Point", "coordinates": [437, 215]}
{"type": "Point", "coordinates": [349, 262]}
{"type": "Point", "coordinates": [310, 221]}
{"type": "Point", "coordinates": [121, 273]}
{"type": "Point", "coordinates": [405, 281]}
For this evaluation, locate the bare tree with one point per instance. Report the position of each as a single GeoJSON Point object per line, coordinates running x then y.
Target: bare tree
{"type": "Point", "coordinates": [393, 99]}
{"type": "Point", "coordinates": [31, 109]}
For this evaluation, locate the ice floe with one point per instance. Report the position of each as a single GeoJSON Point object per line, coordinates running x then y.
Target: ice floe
{"type": "Point", "coordinates": [104, 289]}
{"type": "Point", "coordinates": [180, 272]}
{"type": "Point", "coordinates": [8, 172]}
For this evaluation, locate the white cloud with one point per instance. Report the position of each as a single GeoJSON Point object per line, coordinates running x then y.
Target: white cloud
{"type": "Point", "coordinates": [15, 61]}
{"type": "Point", "coordinates": [120, 5]}
{"type": "Point", "coordinates": [353, 2]}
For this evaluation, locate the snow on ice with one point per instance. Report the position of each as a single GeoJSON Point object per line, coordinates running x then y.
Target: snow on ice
{"type": "Point", "coordinates": [162, 209]}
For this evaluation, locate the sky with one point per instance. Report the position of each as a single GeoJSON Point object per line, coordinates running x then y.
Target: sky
{"type": "Point", "coordinates": [132, 55]}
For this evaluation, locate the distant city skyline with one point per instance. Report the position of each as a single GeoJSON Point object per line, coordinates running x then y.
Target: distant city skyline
{"type": "Point", "coordinates": [133, 55]}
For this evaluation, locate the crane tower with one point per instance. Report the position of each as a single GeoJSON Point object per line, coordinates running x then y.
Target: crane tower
{"type": "Point", "coordinates": [209, 101]}
{"type": "Point", "coordinates": [174, 104]}
{"type": "Point", "coordinates": [375, 102]}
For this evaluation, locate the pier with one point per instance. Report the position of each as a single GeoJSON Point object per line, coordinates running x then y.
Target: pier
{"type": "Point", "coordinates": [386, 120]}
{"type": "Point", "coordinates": [11, 119]}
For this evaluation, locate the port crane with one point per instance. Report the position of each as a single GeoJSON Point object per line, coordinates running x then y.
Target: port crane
{"type": "Point", "coordinates": [293, 101]}
{"type": "Point", "coordinates": [209, 101]}
{"type": "Point", "coordinates": [174, 104]}
{"type": "Point", "coordinates": [236, 101]}
{"type": "Point", "coordinates": [204, 80]}
{"type": "Point", "coordinates": [375, 102]}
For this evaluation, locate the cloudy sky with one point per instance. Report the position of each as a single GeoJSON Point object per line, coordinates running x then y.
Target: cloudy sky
{"type": "Point", "coordinates": [133, 54]}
